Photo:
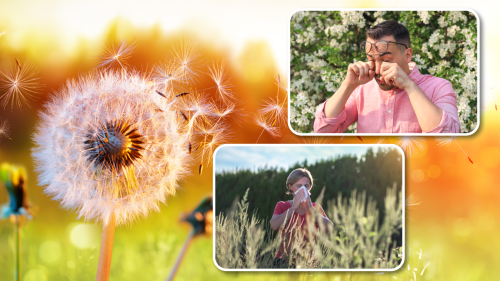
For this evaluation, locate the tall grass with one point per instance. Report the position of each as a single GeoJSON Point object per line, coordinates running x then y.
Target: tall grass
{"type": "Point", "coordinates": [356, 239]}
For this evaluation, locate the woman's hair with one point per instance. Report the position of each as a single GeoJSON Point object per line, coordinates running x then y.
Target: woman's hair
{"type": "Point", "coordinates": [296, 175]}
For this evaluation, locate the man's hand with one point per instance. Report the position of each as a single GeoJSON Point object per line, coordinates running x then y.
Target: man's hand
{"type": "Point", "coordinates": [360, 73]}
{"type": "Point", "coordinates": [393, 74]}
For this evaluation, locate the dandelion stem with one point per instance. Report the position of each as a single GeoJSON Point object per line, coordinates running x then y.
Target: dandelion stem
{"type": "Point", "coordinates": [181, 255]}
{"type": "Point", "coordinates": [260, 135]}
{"type": "Point", "coordinates": [17, 274]}
{"type": "Point", "coordinates": [108, 232]}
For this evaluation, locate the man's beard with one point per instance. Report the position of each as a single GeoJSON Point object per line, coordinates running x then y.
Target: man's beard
{"type": "Point", "coordinates": [384, 87]}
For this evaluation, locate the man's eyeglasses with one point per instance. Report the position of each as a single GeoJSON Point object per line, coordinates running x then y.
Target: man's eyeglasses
{"type": "Point", "coordinates": [381, 46]}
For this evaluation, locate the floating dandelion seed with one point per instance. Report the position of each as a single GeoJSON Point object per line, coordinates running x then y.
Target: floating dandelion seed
{"type": "Point", "coordinates": [19, 86]}
{"type": "Point", "coordinates": [117, 55]}
{"type": "Point", "coordinates": [272, 115]}
{"type": "Point", "coordinates": [447, 141]}
{"type": "Point", "coordinates": [266, 126]}
{"type": "Point", "coordinates": [411, 145]}
{"type": "Point", "coordinates": [185, 57]}
{"type": "Point", "coordinates": [412, 200]}
{"type": "Point", "coordinates": [4, 129]}
{"type": "Point", "coordinates": [380, 140]}
{"type": "Point", "coordinates": [218, 75]}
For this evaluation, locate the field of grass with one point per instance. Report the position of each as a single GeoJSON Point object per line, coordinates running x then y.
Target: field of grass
{"type": "Point", "coordinates": [355, 241]}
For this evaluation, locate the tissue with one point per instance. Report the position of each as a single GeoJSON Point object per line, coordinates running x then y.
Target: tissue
{"type": "Point", "coordinates": [306, 192]}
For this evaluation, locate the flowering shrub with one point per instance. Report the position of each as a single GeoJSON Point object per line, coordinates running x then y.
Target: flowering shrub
{"type": "Point", "coordinates": [324, 43]}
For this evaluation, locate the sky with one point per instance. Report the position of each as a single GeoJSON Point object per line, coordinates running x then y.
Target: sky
{"type": "Point", "coordinates": [231, 157]}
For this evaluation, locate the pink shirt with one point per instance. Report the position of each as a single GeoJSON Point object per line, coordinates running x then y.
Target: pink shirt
{"type": "Point", "coordinates": [391, 111]}
{"type": "Point", "coordinates": [287, 233]}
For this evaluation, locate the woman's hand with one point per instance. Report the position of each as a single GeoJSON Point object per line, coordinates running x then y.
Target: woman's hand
{"type": "Point", "coordinates": [309, 203]}
{"type": "Point", "coordinates": [297, 198]}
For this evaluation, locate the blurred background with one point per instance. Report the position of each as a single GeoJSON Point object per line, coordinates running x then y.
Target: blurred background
{"type": "Point", "coordinates": [451, 233]}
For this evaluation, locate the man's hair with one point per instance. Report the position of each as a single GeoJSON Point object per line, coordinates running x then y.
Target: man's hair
{"type": "Point", "coordinates": [397, 30]}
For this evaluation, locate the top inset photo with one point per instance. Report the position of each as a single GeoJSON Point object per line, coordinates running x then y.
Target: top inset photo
{"type": "Point", "coordinates": [367, 72]}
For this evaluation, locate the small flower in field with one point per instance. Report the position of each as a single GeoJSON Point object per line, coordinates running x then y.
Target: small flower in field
{"type": "Point", "coordinates": [14, 179]}
{"type": "Point", "coordinates": [19, 86]}
{"type": "Point", "coordinates": [106, 145]}
{"type": "Point", "coordinates": [201, 218]}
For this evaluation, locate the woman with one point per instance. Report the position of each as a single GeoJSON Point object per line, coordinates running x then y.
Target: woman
{"type": "Point", "coordinates": [294, 213]}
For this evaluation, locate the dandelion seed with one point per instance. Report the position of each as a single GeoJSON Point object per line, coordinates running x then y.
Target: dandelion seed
{"type": "Point", "coordinates": [412, 200]}
{"type": "Point", "coordinates": [160, 93]}
{"type": "Point", "coordinates": [180, 95]}
{"type": "Point", "coordinates": [117, 55]}
{"type": "Point", "coordinates": [273, 131]}
{"type": "Point", "coordinates": [4, 129]}
{"type": "Point", "coordinates": [186, 57]}
{"type": "Point", "coordinates": [19, 65]}
{"type": "Point", "coordinates": [19, 86]}
{"type": "Point", "coordinates": [217, 73]}
{"type": "Point", "coordinates": [411, 145]}
{"type": "Point", "coordinates": [275, 109]}
{"type": "Point", "coordinates": [7, 31]}
{"type": "Point", "coordinates": [446, 141]}
{"type": "Point", "coordinates": [380, 140]}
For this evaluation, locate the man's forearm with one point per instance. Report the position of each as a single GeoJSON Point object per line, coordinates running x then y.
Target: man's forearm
{"type": "Point", "coordinates": [428, 114]}
{"type": "Point", "coordinates": [336, 103]}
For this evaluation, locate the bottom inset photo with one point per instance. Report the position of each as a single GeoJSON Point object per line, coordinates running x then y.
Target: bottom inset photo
{"type": "Point", "coordinates": [309, 207]}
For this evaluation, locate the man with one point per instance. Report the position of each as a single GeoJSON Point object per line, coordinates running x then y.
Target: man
{"type": "Point", "coordinates": [388, 94]}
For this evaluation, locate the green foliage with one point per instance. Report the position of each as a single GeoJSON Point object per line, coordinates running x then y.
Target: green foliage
{"type": "Point", "coordinates": [355, 239]}
{"type": "Point", "coordinates": [323, 44]}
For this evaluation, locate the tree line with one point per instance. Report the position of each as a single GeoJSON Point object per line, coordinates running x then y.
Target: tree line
{"type": "Point", "coordinates": [373, 173]}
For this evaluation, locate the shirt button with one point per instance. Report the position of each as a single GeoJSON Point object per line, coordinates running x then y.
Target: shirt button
{"type": "Point", "coordinates": [389, 111]}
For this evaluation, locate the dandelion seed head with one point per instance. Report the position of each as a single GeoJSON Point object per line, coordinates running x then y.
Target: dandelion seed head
{"type": "Point", "coordinates": [106, 145]}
